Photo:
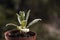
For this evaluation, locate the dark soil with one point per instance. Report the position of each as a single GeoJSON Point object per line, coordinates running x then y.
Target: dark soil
{"type": "Point", "coordinates": [17, 33]}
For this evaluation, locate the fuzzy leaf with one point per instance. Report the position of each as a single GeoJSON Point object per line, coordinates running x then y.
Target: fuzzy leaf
{"type": "Point", "coordinates": [18, 16]}
{"type": "Point", "coordinates": [23, 24]}
{"type": "Point", "coordinates": [11, 24]}
{"type": "Point", "coordinates": [34, 21]}
{"type": "Point", "coordinates": [22, 14]}
{"type": "Point", "coordinates": [27, 16]}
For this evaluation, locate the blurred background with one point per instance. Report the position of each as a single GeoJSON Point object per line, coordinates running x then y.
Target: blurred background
{"type": "Point", "coordinates": [47, 10]}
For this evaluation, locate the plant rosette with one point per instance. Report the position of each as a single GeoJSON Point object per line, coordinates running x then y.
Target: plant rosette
{"type": "Point", "coordinates": [23, 20]}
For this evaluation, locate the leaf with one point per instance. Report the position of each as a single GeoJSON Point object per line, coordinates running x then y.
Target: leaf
{"type": "Point", "coordinates": [34, 21]}
{"type": "Point", "coordinates": [11, 24]}
{"type": "Point", "coordinates": [23, 24]}
{"type": "Point", "coordinates": [27, 16]}
{"type": "Point", "coordinates": [18, 16]}
{"type": "Point", "coordinates": [22, 14]}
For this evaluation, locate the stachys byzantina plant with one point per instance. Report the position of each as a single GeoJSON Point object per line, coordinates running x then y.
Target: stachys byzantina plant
{"type": "Point", "coordinates": [23, 20]}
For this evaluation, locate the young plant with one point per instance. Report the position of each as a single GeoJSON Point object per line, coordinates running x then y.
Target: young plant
{"type": "Point", "coordinates": [23, 20]}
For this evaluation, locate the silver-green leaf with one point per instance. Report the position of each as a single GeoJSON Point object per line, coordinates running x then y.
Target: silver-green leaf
{"type": "Point", "coordinates": [11, 24]}
{"type": "Point", "coordinates": [34, 21]}
{"type": "Point", "coordinates": [18, 16]}
{"type": "Point", "coordinates": [27, 16]}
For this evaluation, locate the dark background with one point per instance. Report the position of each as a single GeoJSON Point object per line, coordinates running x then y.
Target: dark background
{"type": "Point", "coordinates": [47, 10]}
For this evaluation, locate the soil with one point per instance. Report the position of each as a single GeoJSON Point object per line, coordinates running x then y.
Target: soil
{"type": "Point", "coordinates": [17, 33]}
